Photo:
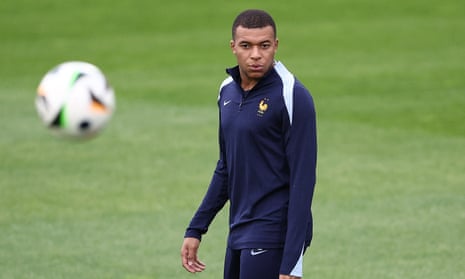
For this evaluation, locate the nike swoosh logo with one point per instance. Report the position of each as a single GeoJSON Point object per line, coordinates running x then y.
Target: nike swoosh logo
{"type": "Point", "coordinates": [255, 252]}
{"type": "Point", "coordinates": [225, 103]}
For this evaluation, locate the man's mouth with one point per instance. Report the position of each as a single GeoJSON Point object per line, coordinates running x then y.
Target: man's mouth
{"type": "Point", "coordinates": [256, 67]}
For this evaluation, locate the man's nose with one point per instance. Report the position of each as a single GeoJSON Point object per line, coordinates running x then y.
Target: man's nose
{"type": "Point", "coordinates": [255, 53]}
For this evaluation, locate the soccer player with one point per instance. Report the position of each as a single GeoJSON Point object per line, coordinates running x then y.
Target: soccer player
{"type": "Point", "coordinates": [267, 161]}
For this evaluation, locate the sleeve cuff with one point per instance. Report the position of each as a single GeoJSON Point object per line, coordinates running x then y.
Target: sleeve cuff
{"type": "Point", "coordinates": [193, 233]}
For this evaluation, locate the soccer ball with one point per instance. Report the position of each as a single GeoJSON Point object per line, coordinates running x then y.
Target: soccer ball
{"type": "Point", "coordinates": [75, 100]}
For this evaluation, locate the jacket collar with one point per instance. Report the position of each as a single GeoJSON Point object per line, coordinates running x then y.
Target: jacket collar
{"type": "Point", "coordinates": [266, 79]}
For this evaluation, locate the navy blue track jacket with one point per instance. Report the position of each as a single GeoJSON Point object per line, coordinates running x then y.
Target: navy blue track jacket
{"type": "Point", "coordinates": [267, 165]}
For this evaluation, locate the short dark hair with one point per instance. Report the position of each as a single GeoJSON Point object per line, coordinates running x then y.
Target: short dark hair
{"type": "Point", "coordinates": [253, 19]}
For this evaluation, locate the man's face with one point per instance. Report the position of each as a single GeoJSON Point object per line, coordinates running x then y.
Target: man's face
{"type": "Point", "coordinates": [254, 49]}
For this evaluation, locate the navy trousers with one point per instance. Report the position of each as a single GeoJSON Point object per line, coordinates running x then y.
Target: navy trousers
{"type": "Point", "coordinates": [252, 263]}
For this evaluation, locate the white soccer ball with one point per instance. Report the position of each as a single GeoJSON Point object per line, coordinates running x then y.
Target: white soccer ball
{"type": "Point", "coordinates": [75, 100]}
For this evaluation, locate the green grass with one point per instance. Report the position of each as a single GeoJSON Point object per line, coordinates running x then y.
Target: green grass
{"type": "Point", "coordinates": [388, 81]}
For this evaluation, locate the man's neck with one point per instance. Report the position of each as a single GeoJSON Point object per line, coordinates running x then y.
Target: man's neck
{"type": "Point", "coordinates": [248, 85]}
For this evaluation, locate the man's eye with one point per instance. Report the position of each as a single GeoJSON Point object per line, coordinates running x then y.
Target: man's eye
{"type": "Point", "coordinates": [265, 46]}
{"type": "Point", "coordinates": [245, 45]}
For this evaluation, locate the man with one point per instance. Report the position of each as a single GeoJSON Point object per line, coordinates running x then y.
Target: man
{"type": "Point", "coordinates": [266, 169]}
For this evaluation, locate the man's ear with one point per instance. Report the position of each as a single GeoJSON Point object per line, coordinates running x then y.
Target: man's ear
{"type": "Point", "coordinates": [231, 45]}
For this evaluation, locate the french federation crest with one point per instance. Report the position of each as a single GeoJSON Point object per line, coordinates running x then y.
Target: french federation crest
{"type": "Point", "coordinates": [262, 107]}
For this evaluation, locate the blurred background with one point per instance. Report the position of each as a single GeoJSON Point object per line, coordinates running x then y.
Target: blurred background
{"type": "Point", "coordinates": [388, 81]}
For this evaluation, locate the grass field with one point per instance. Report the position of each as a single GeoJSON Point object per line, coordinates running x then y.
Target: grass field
{"type": "Point", "coordinates": [388, 79]}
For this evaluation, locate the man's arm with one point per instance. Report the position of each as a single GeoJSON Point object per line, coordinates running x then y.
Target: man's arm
{"type": "Point", "coordinates": [216, 196]}
{"type": "Point", "coordinates": [214, 200]}
{"type": "Point", "coordinates": [301, 152]}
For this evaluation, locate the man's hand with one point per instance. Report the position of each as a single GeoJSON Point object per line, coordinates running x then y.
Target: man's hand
{"type": "Point", "coordinates": [189, 255]}
{"type": "Point", "coordinates": [288, 277]}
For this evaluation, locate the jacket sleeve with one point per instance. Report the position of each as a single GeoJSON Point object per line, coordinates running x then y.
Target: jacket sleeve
{"type": "Point", "coordinates": [214, 199]}
{"type": "Point", "coordinates": [301, 151]}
